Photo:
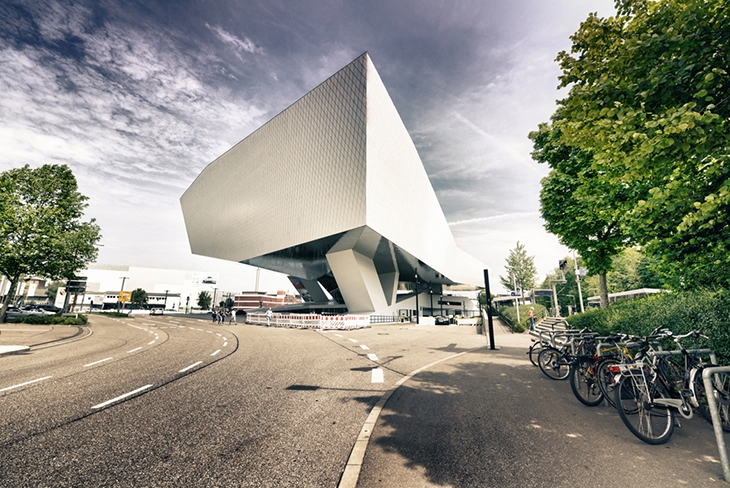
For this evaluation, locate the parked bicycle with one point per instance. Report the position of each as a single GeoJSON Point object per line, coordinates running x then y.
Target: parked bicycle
{"type": "Point", "coordinates": [654, 386]}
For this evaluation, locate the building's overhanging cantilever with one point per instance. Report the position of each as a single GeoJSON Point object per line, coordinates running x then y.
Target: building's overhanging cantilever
{"type": "Point", "coordinates": [340, 195]}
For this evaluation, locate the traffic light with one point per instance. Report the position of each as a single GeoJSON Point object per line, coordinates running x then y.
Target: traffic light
{"type": "Point", "coordinates": [563, 263]}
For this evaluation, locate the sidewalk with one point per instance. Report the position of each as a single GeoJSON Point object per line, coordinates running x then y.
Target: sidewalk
{"type": "Point", "coordinates": [22, 337]}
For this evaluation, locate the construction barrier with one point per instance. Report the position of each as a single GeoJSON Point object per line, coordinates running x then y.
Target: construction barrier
{"type": "Point", "coordinates": [311, 321]}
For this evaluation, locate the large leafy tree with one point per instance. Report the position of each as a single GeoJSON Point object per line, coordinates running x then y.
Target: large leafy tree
{"type": "Point", "coordinates": [521, 270]}
{"type": "Point", "coordinates": [572, 203]}
{"type": "Point", "coordinates": [649, 99]}
{"type": "Point", "coordinates": [41, 227]}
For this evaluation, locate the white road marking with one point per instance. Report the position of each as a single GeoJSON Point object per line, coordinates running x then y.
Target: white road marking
{"type": "Point", "coordinates": [190, 367]}
{"type": "Point", "coordinates": [372, 357]}
{"type": "Point", "coordinates": [133, 350]}
{"type": "Point", "coordinates": [353, 340]}
{"type": "Point", "coordinates": [97, 362]}
{"type": "Point", "coordinates": [216, 352]}
{"type": "Point", "coordinates": [364, 347]}
{"type": "Point", "coordinates": [121, 397]}
{"type": "Point", "coordinates": [225, 344]}
{"type": "Point", "coordinates": [219, 335]}
{"type": "Point", "coordinates": [150, 343]}
{"type": "Point", "coordinates": [225, 338]}
{"type": "Point", "coordinates": [209, 331]}
{"type": "Point", "coordinates": [338, 335]}
{"type": "Point", "coordinates": [26, 383]}
{"type": "Point", "coordinates": [377, 376]}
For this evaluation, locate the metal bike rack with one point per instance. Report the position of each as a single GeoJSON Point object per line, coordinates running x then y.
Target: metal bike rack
{"type": "Point", "coordinates": [715, 413]}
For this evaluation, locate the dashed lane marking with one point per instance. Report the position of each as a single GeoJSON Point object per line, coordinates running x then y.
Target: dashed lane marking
{"type": "Point", "coordinates": [190, 367]}
{"type": "Point", "coordinates": [26, 383]}
{"type": "Point", "coordinates": [353, 340]}
{"type": "Point", "coordinates": [377, 376]}
{"type": "Point", "coordinates": [97, 362]}
{"type": "Point", "coordinates": [216, 352]}
{"type": "Point", "coordinates": [134, 350]}
{"type": "Point", "coordinates": [121, 397]}
{"type": "Point", "coordinates": [364, 347]}
{"type": "Point", "coordinates": [372, 357]}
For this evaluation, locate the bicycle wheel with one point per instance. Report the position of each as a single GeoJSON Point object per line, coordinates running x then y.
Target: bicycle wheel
{"type": "Point", "coordinates": [534, 351]}
{"type": "Point", "coordinates": [653, 424]}
{"type": "Point", "coordinates": [606, 379]}
{"type": "Point", "coordinates": [721, 386]}
{"type": "Point", "coordinates": [552, 363]}
{"type": "Point", "coordinates": [584, 382]}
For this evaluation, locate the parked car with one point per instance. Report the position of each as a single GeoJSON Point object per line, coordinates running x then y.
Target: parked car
{"type": "Point", "coordinates": [441, 320]}
{"type": "Point", "coordinates": [14, 313]}
{"type": "Point", "coordinates": [49, 308]}
{"type": "Point", "coordinates": [35, 310]}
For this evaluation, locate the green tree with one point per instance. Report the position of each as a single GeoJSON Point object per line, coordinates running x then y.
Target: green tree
{"type": "Point", "coordinates": [41, 231]}
{"type": "Point", "coordinates": [229, 303]}
{"type": "Point", "coordinates": [521, 270]}
{"type": "Point", "coordinates": [572, 203]}
{"type": "Point", "coordinates": [649, 100]}
{"type": "Point", "coordinates": [204, 300]}
{"type": "Point", "coordinates": [139, 297]}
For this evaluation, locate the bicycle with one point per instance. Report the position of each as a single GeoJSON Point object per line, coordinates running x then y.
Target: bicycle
{"type": "Point", "coordinates": [650, 389]}
{"type": "Point", "coordinates": [555, 362]}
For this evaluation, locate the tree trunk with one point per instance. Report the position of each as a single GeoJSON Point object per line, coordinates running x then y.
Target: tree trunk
{"type": "Point", "coordinates": [603, 289]}
{"type": "Point", "coordinates": [8, 297]}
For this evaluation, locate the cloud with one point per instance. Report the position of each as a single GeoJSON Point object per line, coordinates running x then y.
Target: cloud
{"type": "Point", "coordinates": [244, 44]}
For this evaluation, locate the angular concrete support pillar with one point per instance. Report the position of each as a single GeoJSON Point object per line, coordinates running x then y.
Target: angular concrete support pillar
{"type": "Point", "coordinates": [358, 281]}
{"type": "Point", "coordinates": [389, 284]}
{"type": "Point", "coordinates": [314, 290]}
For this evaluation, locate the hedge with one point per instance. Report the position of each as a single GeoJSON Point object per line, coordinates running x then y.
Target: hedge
{"type": "Point", "coordinates": [50, 320]}
{"type": "Point", "coordinates": [705, 310]}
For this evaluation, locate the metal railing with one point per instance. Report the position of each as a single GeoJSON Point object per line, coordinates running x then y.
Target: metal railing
{"type": "Point", "coordinates": [715, 414]}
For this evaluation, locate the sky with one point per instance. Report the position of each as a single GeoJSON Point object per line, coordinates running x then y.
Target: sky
{"type": "Point", "coordinates": [137, 97]}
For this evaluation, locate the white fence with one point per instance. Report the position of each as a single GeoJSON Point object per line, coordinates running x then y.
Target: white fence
{"type": "Point", "coordinates": [311, 321]}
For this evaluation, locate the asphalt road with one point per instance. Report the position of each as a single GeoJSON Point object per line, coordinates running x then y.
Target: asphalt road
{"type": "Point", "coordinates": [165, 401]}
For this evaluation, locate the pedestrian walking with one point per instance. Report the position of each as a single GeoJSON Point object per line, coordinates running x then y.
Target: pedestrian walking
{"type": "Point", "coordinates": [269, 314]}
{"type": "Point", "coordinates": [214, 315]}
{"type": "Point", "coordinates": [233, 316]}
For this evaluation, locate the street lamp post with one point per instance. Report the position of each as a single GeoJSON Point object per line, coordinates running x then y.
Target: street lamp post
{"type": "Point", "coordinates": [415, 270]}
{"type": "Point", "coordinates": [164, 304]}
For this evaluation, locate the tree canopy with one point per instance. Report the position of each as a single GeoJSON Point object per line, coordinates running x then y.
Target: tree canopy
{"type": "Point", "coordinates": [139, 296]}
{"type": "Point", "coordinates": [521, 270]}
{"type": "Point", "coordinates": [204, 300]}
{"type": "Point", "coordinates": [647, 124]}
{"type": "Point", "coordinates": [41, 227]}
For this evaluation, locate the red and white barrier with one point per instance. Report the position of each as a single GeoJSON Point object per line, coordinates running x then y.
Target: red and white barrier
{"type": "Point", "coordinates": [311, 321]}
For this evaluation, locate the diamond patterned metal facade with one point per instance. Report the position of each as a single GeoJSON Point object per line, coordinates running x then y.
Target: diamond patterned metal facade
{"type": "Point", "coordinates": [331, 191]}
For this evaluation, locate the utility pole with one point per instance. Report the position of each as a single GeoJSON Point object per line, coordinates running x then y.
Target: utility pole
{"type": "Point", "coordinates": [577, 280]}
{"type": "Point", "coordinates": [517, 301]}
{"type": "Point", "coordinates": [488, 302]}
{"type": "Point", "coordinates": [124, 278]}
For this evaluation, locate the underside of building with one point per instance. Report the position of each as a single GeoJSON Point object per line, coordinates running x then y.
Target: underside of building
{"type": "Point", "coordinates": [331, 192]}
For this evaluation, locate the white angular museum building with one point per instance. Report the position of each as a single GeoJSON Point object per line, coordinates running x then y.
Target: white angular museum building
{"type": "Point", "coordinates": [332, 192]}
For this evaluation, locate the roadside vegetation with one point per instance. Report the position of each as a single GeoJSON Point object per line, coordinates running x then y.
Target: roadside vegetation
{"type": "Point", "coordinates": [57, 319]}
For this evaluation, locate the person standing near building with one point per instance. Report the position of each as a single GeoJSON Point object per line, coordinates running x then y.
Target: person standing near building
{"type": "Point", "coordinates": [269, 314]}
{"type": "Point", "coordinates": [233, 316]}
